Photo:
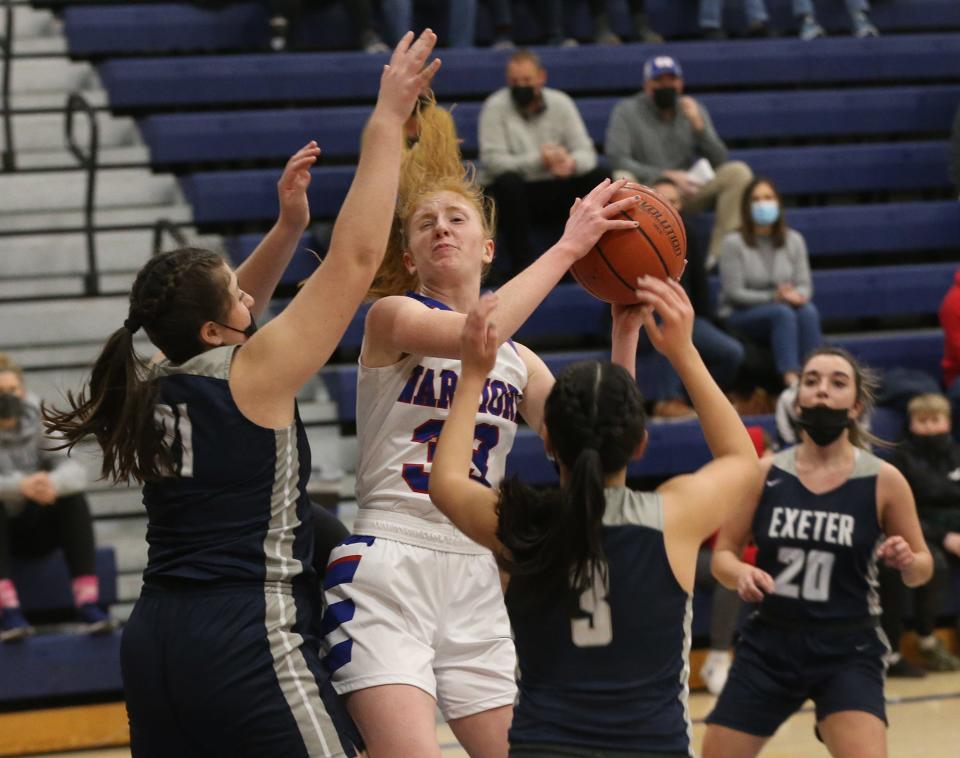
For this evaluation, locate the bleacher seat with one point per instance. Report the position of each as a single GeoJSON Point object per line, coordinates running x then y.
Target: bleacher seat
{"type": "Point", "coordinates": [43, 584]}
{"type": "Point", "coordinates": [313, 77]}
{"type": "Point", "coordinates": [264, 134]}
{"type": "Point", "coordinates": [95, 27]}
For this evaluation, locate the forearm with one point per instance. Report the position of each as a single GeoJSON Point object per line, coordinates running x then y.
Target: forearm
{"type": "Point", "coordinates": [450, 470]}
{"type": "Point", "coordinates": [69, 477]}
{"type": "Point", "coordinates": [521, 296]}
{"type": "Point", "coordinates": [366, 216]}
{"type": "Point", "coordinates": [919, 571]}
{"type": "Point", "coordinates": [727, 568]}
{"type": "Point", "coordinates": [721, 424]}
{"type": "Point", "coordinates": [260, 273]}
{"type": "Point", "coordinates": [623, 348]}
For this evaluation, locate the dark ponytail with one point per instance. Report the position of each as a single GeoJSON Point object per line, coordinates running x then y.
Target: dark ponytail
{"type": "Point", "coordinates": [594, 416]}
{"type": "Point", "coordinates": [173, 295]}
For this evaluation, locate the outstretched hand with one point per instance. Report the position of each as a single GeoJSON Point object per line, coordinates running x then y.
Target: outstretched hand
{"type": "Point", "coordinates": [293, 184]}
{"type": "Point", "coordinates": [674, 333]}
{"type": "Point", "coordinates": [405, 76]}
{"type": "Point", "coordinates": [478, 340]}
{"type": "Point", "coordinates": [595, 214]}
{"type": "Point", "coordinates": [895, 552]}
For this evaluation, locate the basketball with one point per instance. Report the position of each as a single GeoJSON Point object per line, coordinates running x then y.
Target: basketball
{"type": "Point", "coordinates": [657, 247]}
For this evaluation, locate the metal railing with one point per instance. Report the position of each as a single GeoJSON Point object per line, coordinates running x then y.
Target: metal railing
{"type": "Point", "coordinates": [88, 160]}
{"type": "Point", "coordinates": [7, 161]}
{"type": "Point", "coordinates": [165, 225]}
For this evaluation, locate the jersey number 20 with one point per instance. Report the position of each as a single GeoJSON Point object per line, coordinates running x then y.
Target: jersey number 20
{"type": "Point", "coordinates": [486, 436]}
{"type": "Point", "coordinates": [817, 567]}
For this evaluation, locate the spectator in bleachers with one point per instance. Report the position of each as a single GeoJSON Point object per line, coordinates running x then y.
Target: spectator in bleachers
{"type": "Point", "coordinates": [950, 321]}
{"type": "Point", "coordinates": [711, 19]}
{"type": "Point", "coordinates": [604, 35]}
{"type": "Point", "coordinates": [661, 132]}
{"type": "Point", "coordinates": [929, 459]}
{"type": "Point", "coordinates": [765, 282]}
{"type": "Point", "coordinates": [722, 353]}
{"type": "Point", "coordinates": [955, 152]}
{"type": "Point", "coordinates": [42, 508]}
{"type": "Point", "coordinates": [549, 11]}
{"type": "Point", "coordinates": [861, 26]}
{"type": "Point", "coordinates": [284, 14]}
{"type": "Point", "coordinates": [536, 156]}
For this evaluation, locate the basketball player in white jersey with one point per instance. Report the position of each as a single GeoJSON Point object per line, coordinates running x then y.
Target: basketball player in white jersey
{"type": "Point", "coordinates": [416, 616]}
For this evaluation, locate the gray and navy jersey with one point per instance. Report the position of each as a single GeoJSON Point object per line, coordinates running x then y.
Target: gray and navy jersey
{"type": "Point", "coordinates": [820, 549]}
{"type": "Point", "coordinates": [609, 669]}
{"type": "Point", "coordinates": [235, 506]}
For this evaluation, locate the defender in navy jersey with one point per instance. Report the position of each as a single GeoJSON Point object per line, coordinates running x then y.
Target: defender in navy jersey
{"type": "Point", "coordinates": [218, 658]}
{"type": "Point", "coordinates": [600, 576]}
{"type": "Point", "coordinates": [828, 512]}
{"type": "Point", "coordinates": [416, 617]}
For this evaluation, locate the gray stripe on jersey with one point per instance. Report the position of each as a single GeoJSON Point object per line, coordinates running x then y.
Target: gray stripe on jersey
{"type": "Point", "coordinates": [864, 463]}
{"type": "Point", "coordinates": [625, 506]}
{"type": "Point", "coordinates": [873, 580]}
{"type": "Point", "coordinates": [685, 671]}
{"type": "Point", "coordinates": [297, 682]}
{"type": "Point", "coordinates": [214, 363]}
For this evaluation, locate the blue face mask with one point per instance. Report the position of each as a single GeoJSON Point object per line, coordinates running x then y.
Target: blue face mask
{"type": "Point", "coordinates": [765, 212]}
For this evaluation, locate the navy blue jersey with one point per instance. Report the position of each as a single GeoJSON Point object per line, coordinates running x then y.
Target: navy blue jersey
{"type": "Point", "coordinates": [609, 669]}
{"type": "Point", "coordinates": [820, 549]}
{"type": "Point", "coordinates": [235, 506]}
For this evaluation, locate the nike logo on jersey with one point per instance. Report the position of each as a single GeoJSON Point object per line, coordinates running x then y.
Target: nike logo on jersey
{"type": "Point", "coordinates": [954, 476]}
{"type": "Point", "coordinates": [773, 482]}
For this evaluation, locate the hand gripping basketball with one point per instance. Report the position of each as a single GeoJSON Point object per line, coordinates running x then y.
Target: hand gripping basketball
{"type": "Point", "coordinates": [656, 246]}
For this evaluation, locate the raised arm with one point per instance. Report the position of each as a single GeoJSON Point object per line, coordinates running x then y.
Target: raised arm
{"type": "Point", "coordinates": [471, 506]}
{"type": "Point", "coordinates": [697, 504]}
{"type": "Point", "coordinates": [405, 326]}
{"type": "Point", "coordinates": [260, 273]}
{"type": "Point", "coordinates": [279, 359]}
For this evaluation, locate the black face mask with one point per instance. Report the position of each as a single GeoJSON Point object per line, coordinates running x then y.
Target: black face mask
{"type": "Point", "coordinates": [932, 443]}
{"type": "Point", "coordinates": [11, 406]}
{"type": "Point", "coordinates": [522, 96]}
{"type": "Point", "coordinates": [824, 425]}
{"type": "Point", "coordinates": [248, 332]}
{"type": "Point", "coordinates": [665, 98]}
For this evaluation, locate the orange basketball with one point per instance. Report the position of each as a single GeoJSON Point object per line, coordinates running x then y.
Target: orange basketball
{"type": "Point", "coordinates": [657, 247]}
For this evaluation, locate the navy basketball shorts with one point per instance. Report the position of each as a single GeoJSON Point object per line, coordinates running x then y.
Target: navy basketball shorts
{"type": "Point", "coordinates": [776, 670]}
{"type": "Point", "coordinates": [228, 671]}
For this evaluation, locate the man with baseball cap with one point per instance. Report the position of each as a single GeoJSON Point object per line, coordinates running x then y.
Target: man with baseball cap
{"type": "Point", "coordinates": [662, 132]}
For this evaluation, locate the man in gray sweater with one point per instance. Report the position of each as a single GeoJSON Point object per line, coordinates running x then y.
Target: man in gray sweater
{"type": "Point", "coordinates": [661, 132]}
{"type": "Point", "coordinates": [535, 154]}
{"type": "Point", "coordinates": [42, 508]}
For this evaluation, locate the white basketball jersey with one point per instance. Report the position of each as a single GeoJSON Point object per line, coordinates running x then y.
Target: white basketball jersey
{"type": "Point", "coordinates": [400, 412]}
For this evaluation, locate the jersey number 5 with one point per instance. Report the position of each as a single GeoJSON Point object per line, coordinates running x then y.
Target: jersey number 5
{"type": "Point", "coordinates": [486, 437]}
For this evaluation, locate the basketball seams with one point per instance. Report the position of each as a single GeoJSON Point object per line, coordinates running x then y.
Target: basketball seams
{"type": "Point", "coordinates": [613, 271]}
{"type": "Point", "coordinates": [656, 252]}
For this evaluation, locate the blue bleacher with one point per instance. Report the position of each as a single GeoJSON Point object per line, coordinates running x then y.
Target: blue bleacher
{"type": "Point", "coordinates": [53, 665]}
{"type": "Point", "coordinates": [312, 77]}
{"type": "Point", "coordinates": [225, 196]}
{"type": "Point", "coordinates": [114, 28]}
{"type": "Point", "coordinates": [262, 134]}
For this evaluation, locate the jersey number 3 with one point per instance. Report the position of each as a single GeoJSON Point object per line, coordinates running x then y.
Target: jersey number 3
{"type": "Point", "coordinates": [597, 629]}
{"type": "Point", "coordinates": [485, 437]}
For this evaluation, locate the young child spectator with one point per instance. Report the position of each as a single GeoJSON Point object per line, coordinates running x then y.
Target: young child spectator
{"type": "Point", "coordinates": [765, 283]}
{"type": "Point", "coordinates": [42, 508]}
{"type": "Point", "coordinates": [536, 156]}
{"type": "Point", "coordinates": [661, 132]}
{"type": "Point", "coordinates": [930, 461]}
